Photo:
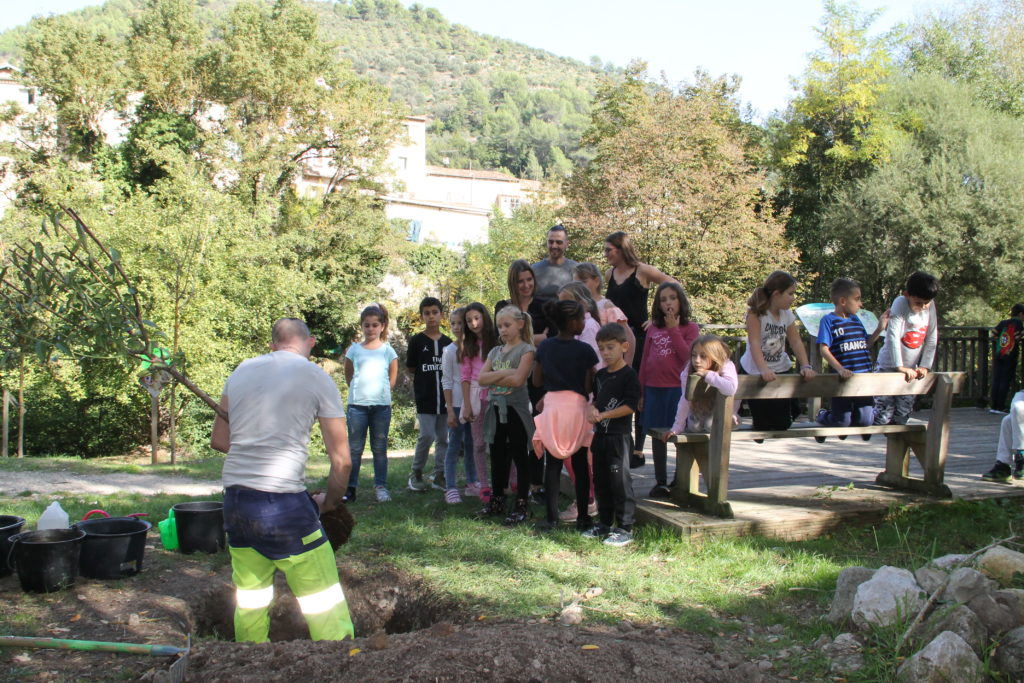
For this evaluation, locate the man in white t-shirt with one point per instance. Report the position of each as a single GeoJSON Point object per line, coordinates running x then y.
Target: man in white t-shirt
{"type": "Point", "coordinates": [271, 521]}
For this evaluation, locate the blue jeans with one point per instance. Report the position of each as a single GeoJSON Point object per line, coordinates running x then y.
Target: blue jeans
{"type": "Point", "coordinates": [460, 442]}
{"type": "Point", "coordinates": [376, 420]}
{"type": "Point", "coordinates": [858, 411]}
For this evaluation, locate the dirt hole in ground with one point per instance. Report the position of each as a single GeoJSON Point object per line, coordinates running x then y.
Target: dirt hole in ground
{"type": "Point", "coordinates": [379, 599]}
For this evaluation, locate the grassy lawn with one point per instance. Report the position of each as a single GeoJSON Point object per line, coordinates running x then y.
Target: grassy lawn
{"type": "Point", "coordinates": [721, 587]}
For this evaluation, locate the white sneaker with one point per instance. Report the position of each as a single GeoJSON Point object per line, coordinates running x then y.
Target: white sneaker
{"type": "Point", "coordinates": [382, 494]}
{"type": "Point", "coordinates": [569, 514]}
{"type": "Point", "coordinates": [618, 538]}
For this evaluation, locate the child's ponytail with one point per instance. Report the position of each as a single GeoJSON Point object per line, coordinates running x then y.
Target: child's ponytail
{"type": "Point", "coordinates": [778, 281]}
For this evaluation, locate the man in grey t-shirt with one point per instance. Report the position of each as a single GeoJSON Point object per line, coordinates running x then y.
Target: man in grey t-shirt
{"type": "Point", "coordinates": [555, 270]}
{"type": "Point", "coordinates": [271, 521]}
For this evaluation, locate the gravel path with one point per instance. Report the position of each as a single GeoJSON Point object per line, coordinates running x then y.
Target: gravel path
{"type": "Point", "coordinates": [103, 483]}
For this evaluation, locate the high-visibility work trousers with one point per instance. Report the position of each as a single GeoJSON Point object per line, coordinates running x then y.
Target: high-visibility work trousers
{"type": "Point", "coordinates": [313, 579]}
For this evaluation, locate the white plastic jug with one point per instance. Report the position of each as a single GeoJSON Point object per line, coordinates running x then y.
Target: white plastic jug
{"type": "Point", "coordinates": [53, 517]}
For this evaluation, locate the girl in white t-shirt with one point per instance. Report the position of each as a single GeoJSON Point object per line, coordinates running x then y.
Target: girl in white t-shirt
{"type": "Point", "coordinates": [371, 369]}
{"type": "Point", "coordinates": [770, 325]}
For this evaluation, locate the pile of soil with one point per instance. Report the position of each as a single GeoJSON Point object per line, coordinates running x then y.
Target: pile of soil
{"type": "Point", "coordinates": [411, 634]}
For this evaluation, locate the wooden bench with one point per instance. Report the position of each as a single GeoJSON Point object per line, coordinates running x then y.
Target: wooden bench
{"type": "Point", "coordinates": [708, 453]}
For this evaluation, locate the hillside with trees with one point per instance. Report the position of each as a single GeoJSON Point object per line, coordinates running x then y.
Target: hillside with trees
{"type": "Point", "coordinates": [494, 103]}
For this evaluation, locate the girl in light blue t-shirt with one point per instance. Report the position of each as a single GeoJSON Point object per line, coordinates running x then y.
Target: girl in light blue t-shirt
{"type": "Point", "coordinates": [371, 368]}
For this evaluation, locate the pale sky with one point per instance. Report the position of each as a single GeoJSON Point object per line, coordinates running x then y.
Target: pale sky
{"type": "Point", "coordinates": [766, 43]}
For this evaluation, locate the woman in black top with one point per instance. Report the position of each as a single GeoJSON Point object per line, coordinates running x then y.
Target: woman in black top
{"type": "Point", "coordinates": [522, 286]}
{"type": "Point", "coordinates": [629, 282]}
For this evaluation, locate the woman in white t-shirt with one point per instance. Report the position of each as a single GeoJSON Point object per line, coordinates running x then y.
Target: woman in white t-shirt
{"type": "Point", "coordinates": [770, 325]}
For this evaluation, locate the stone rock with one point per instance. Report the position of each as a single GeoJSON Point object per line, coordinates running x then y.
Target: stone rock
{"type": "Point", "coordinates": [885, 598]}
{"type": "Point", "coordinates": [823, 641]}
{"type": "Point", "coordinates": [571, 615]}
{"type": "Point", "coordinates": [1009, 656]}
{"type": "Point", "coordinates": [947, 659]}
{"type": "Point", "coordinates": [748, 672]}
{"type": "Point", "coordinates": [966, 583]}
{"type": "Point", "coordinates": [1001, 564]}
{"type": "Point", "coordinates": [947, 563]}
{"type": "Point", "coordinates": [1013, 599]}
{"type": "Point", "coordinates": [845, 653]}
{"type": "Point", "coordinates": [930, 578]}
{"type": "Point", "coordinates": [997, 618]}
{"type": "Point", "coordinates": [959, 620]}
{"type": "Point", "coordinates": [846, 587]}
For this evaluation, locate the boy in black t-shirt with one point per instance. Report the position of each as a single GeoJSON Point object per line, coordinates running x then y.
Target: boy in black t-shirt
{"type": "Point", "coordinates": [616, 398]}
{"type": "Point", "coordinates": [424, 364]}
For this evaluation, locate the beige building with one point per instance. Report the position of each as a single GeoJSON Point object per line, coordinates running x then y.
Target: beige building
{"type": "Point", "coordinates": [444, 205]}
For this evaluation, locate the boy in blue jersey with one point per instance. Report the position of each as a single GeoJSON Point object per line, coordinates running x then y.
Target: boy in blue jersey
{"type": "Point", "coordinates": [845, 344]}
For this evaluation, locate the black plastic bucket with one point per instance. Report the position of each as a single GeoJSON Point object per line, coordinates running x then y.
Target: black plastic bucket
{"type": "Point", "coordinates": [200, 526]}
{"type": "Point", "coordinates": [9, 525]}
{"type": "Point", "coordinates": [47, 560]}
{"type": "Point", "coordinates": [113, 547]}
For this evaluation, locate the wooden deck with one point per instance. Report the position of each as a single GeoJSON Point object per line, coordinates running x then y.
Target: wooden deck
{"type": "Point", "coordinates": [797, 489]}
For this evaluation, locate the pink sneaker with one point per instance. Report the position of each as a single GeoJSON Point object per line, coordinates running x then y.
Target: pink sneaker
{"type": "Point", "coordinates": [592, 508]}
{"type": "Point", "coordinates": [569, 514]}
{"type": "Point", "coordinates": [472, 490]}
{"type": "Point", "coordinates": [485, 494]}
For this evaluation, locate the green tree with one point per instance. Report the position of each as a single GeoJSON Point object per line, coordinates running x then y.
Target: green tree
{"type": "Point", "coordinates": [672, 170]}
{"type": "Point", "coordinates": [81, 73]}
{"type": "Point", "coordinates": [980, 44]}
{"type": "Point", "coordinates": [519, 236]}
{"type": "Point", "coordinates": [288, 102]}
{"type": "Point", "coordinates": [833, 132]}
{"type": "Point", "coordinates": [948, 201]}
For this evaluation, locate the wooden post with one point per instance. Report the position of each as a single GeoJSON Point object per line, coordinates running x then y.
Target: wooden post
{"type": "Point", "coordinates": [984, 344]}
{"type": "Point", "coordinates": [814, 403]}
{"type": "Point", "coordinates": [718, 458]}
{"type": "Point", "coordinates": [172, 426]}
{"type": "Point", "coordinates": [154, 425]}
{"type": "Point", "coordinates": [21, 410]}
{"type": "Point", "coordinates": [6, 421]}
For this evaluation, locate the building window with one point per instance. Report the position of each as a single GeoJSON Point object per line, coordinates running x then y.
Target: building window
{"type": "Point", "coordinates": [31, 95]}
{"type": "Point", "coordinates": [403, 163]}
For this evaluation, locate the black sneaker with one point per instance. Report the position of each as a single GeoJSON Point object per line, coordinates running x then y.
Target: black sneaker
{"type": "Point", "coordinates": [999, 472]}
{"type": "Point", "coordinates": [660, 491]}
{"type": "Point", "coordinates": [350, 495]}
{"type": "Point", "coordinates": [636, 459]}
{"type": "Point", "coordinates": [493, 508]}
{"type": "Point", "coordinates": [1018, 465]}
{"type": "Point", "coordinates": [520, 513]}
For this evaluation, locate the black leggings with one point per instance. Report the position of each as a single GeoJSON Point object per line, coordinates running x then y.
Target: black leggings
{"type": "Point", "coordinates": [509, 446]}
{"type": "Point", "coordinates": [552, 481]}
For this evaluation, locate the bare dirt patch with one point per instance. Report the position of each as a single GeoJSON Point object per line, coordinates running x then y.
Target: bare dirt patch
{"type": "Point", "coordinates": [410, 633]}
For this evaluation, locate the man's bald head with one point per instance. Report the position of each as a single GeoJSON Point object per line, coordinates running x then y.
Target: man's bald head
{"type": "Point", "coordinates": [289, 331]}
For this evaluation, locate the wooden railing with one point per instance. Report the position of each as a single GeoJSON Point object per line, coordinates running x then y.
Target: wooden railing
{"type": "Point", "coordinates": [961, 349]}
